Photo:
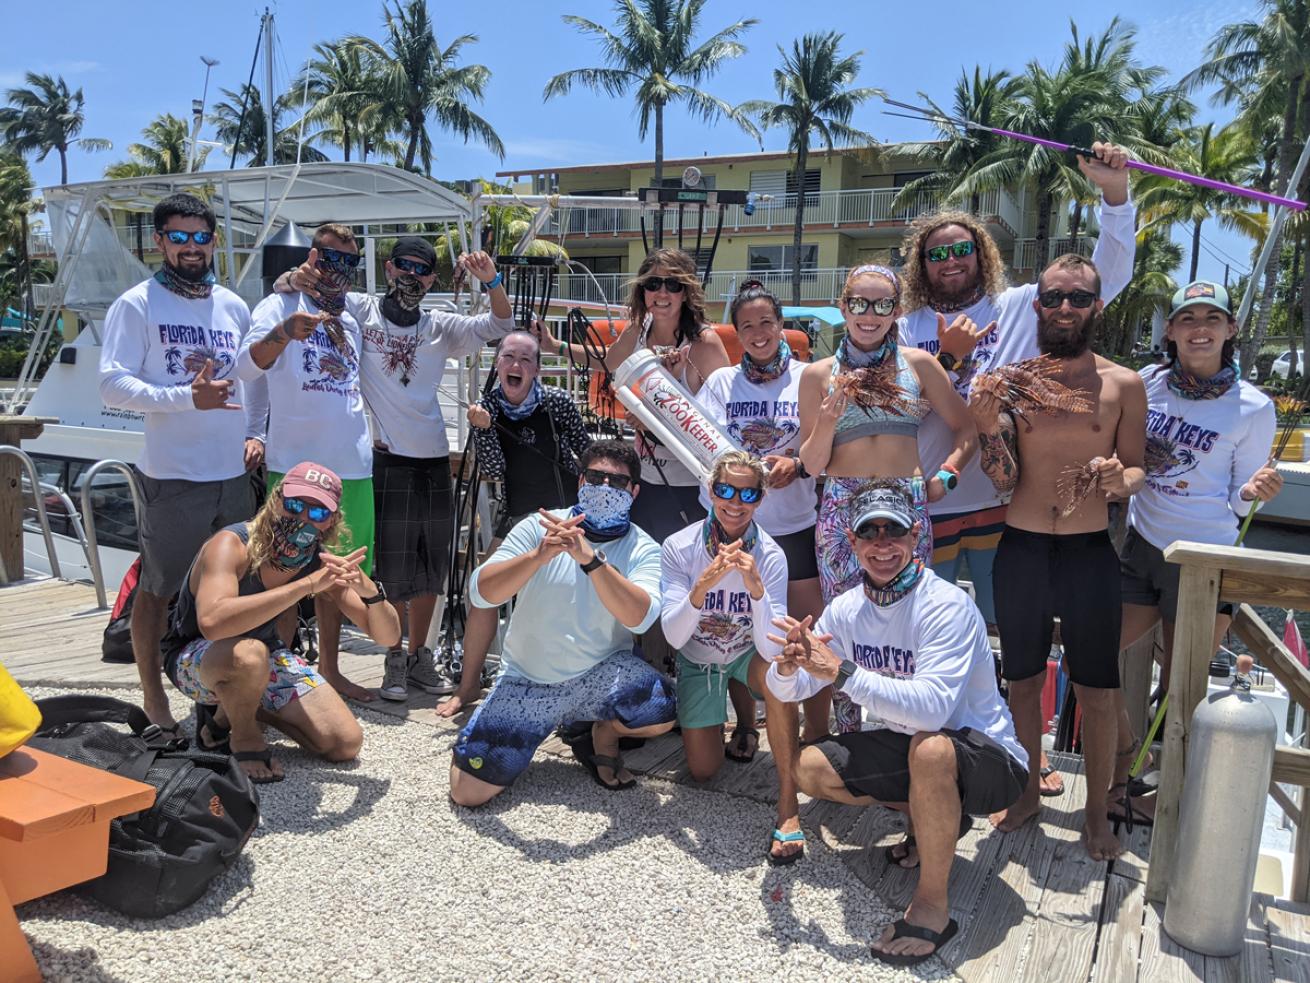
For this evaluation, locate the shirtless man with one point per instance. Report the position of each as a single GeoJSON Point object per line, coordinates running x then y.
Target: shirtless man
{"type": "Point", "coordinates": [1055, 557]}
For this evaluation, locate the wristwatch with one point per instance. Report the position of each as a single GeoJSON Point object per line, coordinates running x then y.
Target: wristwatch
{"type": "Point", "coordinates": [800, 469]}
{"type": "Point", "coordinates": [947, 361]}
{"type": "Point", "coordinates": [377, 598]}
{"type": "Point", "coordinates": [597, 561]}
{"type": "Point", "coordinates": [844, 672]}
{"type": "Point", "coordinates": [949, 478]}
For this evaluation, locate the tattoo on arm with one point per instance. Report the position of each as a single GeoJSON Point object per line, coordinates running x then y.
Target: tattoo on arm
{"type": "Point", "coordinates": [1000, 455]}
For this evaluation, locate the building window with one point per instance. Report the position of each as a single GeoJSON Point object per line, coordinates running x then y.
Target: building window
{"type": "Point", "coordinates": [811, 182]}
{"type": "Point", "coordinates": [778, 259]}
{"type": "Point", "coordinates": [902, 178]}
{"type": "Point", "coordinates": [602, 264]}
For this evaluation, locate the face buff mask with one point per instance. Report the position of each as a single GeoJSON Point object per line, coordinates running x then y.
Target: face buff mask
{"type": "Point", "coordinates": [606, 510]}
{"type": "Point", "coordinates": [295, 543]}
{"type": "Point", "coordinates": [401, 304]}
{"type": "Point", "coordinates": [174, 280]}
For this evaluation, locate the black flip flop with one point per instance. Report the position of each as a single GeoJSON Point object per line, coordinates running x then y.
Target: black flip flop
{"type": "Point", "coordinates": [205, 719]}
{"type": "Point", "coordinates": [732, 741]}
{"type": "Point", "coordinates": [889, 853]}
{"type": "Point", "coordinates": [1050, 793]}
{"type": "Point", "coordinates": [265, 756]}
{"type": "Point", "coordinates": [901, 929]}
{"type": "Point", "coordinates": [585, 752]}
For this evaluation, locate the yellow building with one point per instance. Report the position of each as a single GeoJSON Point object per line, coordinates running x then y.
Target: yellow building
{"type": "Point", "coordinates": [849, 220]}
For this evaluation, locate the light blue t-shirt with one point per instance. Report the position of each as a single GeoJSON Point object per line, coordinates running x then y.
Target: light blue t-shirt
{"type": "Point", "coordinates": [560, 627]}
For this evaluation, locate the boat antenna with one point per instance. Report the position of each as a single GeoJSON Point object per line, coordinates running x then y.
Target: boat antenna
{"type": "Point", "coordinates": [269, 97]}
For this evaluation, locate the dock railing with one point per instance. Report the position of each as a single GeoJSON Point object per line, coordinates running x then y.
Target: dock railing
{"type": "Point", "coordinates": [1211, 574]}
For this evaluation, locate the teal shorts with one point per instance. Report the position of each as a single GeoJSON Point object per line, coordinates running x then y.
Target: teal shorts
{"type": "Point", "coordinates": [356, 509]}
{"type": "Point", "coordinates": [703, 690]}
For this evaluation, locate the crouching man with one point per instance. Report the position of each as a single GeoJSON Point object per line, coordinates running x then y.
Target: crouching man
{"type": "Point", "coordinates": [912, 650]}
{"type": "Point", "coordinates": [587, 581]}
{"type": "Point", "coordinates": [227, 644]}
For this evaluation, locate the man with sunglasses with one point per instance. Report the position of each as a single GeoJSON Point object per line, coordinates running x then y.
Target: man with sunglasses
{"type": "Point", "coordinates": [723, 580]}
{"type": "Point", "coordinates": [912, 650]}
{"type": "Point", "coordinates": [586, 581]}
{"type": "Point", "coordinates": [170, 350]}
{"type": "Point", "coordinates": [1055, 558]}
{"type": "Point", "coordinates": [308, 349]}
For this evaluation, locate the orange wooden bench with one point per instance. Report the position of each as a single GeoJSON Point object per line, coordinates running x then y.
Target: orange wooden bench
{"type": "Point", "coordinates": [54, 833]}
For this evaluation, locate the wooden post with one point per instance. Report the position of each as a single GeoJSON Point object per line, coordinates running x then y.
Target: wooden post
{"type": "Point", "coordinates": [13, 431]}
{"type": "Point", "coordinates": [1198, 597]}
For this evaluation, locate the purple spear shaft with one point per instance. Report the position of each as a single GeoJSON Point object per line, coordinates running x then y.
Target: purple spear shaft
{"type": "Point", "coordinates": [1168, 172]}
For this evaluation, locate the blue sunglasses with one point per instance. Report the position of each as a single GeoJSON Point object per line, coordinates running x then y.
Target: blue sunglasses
{"type": "Point", "coordinates": [727, 492]}
{"type": "Point", "coordinates": [179, 238]}
{"type": "Point", "coordinates": [298, 506]}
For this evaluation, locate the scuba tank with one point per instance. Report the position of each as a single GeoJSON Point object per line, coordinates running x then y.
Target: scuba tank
{"type": "Point", "coordinates": [1221, 816]}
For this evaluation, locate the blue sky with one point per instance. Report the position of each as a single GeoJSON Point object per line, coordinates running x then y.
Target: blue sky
{"type": "Point", "coordinates": [135, 65]}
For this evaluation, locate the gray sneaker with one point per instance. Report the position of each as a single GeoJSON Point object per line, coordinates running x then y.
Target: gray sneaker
{"type": "Point", "coordinates": [427, 675]}
{"type": "Point", "coordinates": [393, 677]}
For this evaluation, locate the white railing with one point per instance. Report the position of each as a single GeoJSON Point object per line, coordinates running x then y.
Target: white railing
{"type": "Point", "coordinates": [1025, 250]}
{"type": "Point", "coordinates": [40, 245]}
{"type": "Point", "coordinates": [837, 209]}
{"type": "Point", "coordinates": [816, 285]}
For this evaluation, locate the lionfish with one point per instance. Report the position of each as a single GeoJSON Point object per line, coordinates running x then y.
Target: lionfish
{"type": "Point", "coordinates": [760, 437]}
{"type": "Point", "coordinates": [332, 328]}
{"type": "Point", "coordinates": [195, 359]}
{"type": "Point", "coordinates": [1031, 386]}
{"type": "Point", "coordinates": [1074, 485]}
{"type": "Point", "coordinates": [334, 366]}
{"type": "Point", "coordinates": [1161, 455]}
{"type": "Point", "coordinates": [874, 387]}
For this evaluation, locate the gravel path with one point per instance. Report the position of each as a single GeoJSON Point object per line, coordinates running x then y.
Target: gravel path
{"type": "Point", "coordinates": [367, 872]}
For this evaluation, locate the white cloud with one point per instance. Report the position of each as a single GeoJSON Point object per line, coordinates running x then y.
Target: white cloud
{"type": "Point", "coordinates": [544, 150]}
{"type": "Point", "coordinates": [10, 80]}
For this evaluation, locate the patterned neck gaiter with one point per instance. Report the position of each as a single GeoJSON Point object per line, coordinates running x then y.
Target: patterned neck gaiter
{"type": "Point", "coordinates": [770, 370]}
{"type": "Point", "coordinates": [1188, 386]}
{"type": "Point", "coordinates": [174, 281]}
{"type": "Point", "coordinates": [898, 587]}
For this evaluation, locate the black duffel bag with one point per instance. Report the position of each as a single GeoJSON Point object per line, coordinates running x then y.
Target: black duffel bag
{"type": "Point", "coordinates": [163, 858]}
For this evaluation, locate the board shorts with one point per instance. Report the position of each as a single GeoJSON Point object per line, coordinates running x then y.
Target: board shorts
{"type": "Point", "coordinates": [289, 676]}
{"type": "Point", "coordinates": [1150, 580]}
{"type": "Point", "coordinates": [177, 517]}
{"type": "Point", "coordinates": [969, 538]}
{"type": "Point", "coordinates": [703, 689]}
{"type": "Point", "coordinates": [414, 517]}
{"type": "Point", "coordinates": [356, 509]}
{"type": "Point", "coordinates": [498, 742]}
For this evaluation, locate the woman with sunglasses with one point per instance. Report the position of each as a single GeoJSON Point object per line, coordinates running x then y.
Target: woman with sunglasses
{"type": "Point", "coordinates": [723, 581]}
{"type": "Point", "coordinates": [405, 349]}
{"type": "Point", "coordinates": [859, 414]}
{"type": "Point", "coordinates": [227, 649]}
{"type": "Point", "coordinates": [757, 403]}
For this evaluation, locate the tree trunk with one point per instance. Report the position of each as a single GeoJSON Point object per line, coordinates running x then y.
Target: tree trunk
{"type": "Point", "coordinates": [659, 171]}
{"type": "Point", "coordinates": [345, 143]}
{"type": "Point", "coordinates": [1196, 250]}
{"type": "Point", "coordinates": [1287, 150]}
{"type": "Point", "coordinates": [1042, 237]}
{"type": "Point", "coordinates": [798, 226]}
{"type": "Point", "coordinates": [63, 163]}
{"type": "Point", "coordinates": [412, 150]}
{"type": "Point", "coordinates": [1074, 225]}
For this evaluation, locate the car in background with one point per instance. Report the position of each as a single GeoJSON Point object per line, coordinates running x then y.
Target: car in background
{"type": "Point", "coordinates": [1286, 363]}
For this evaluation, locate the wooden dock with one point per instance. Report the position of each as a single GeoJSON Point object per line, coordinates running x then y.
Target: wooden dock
{"type": "Point", "coordinates": [1031, 905]}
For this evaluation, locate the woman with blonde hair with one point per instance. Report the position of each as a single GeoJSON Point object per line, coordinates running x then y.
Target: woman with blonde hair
{"type": "Point", "coordinates": [859, 416]}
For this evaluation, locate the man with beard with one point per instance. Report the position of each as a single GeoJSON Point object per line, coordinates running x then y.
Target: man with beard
{"type": "Point", "coordinates": [227, 645]}
{"type": "Point", "coordinates": [170, 348]}
{"type": "Point", "coordinates": [405, 352]}
{"type": "Point", "coordinates": [953, 274]}
{"type": "Point", "coordinates": [1055, 558]}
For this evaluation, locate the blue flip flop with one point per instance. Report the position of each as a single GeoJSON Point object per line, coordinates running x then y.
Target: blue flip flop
{"type": "Point", "coordinates": [787, 859]}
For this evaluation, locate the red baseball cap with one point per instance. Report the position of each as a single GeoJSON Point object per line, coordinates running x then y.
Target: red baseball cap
{"type": "Point", "coordinates": [314, 481]}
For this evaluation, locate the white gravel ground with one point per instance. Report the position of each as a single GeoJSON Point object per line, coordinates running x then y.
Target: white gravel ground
{"type": "Point", "coordinates": [368, 872]}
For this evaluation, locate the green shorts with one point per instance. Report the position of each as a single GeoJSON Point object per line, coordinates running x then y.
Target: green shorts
{"type": "Point", "coordinates": [703, 690]}
{"type": "Point", "coordinates": [356, 509]}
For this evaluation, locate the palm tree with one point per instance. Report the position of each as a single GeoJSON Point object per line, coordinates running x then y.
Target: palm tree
{"type": "Point", "coordinates": [46, 116]}
{"type": "Point", "coordinates": [417, 78]}
{"type": "Point", "coordinates": [340, 88]}
{"type": "Point", "coordinates": [1263, 66]}
{"type": "Point", "coordinates": [163, 150]}
{"type": "Point", "coordinates": [813, 85]}
{"type": "Point", "coordinates": [1150, 290]}
{"type": "Point", "coordinates": [246, 132]}
{"type": "Point", "coordinates": [1229, 156]}
{"type": "Point", "coordinates": [986, 99]}
{"type": "Point", "coordinates": [652, 53]}
{"type": "Point", "coordinates": [17, 271]}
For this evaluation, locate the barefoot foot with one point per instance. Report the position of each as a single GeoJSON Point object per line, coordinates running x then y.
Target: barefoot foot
{"type": "Point", "coordinates": [347, 689]}
{"type": "Point", "coordinates": [1008, 820]}
{"type": "Point", "coordinates": [1100, 843]}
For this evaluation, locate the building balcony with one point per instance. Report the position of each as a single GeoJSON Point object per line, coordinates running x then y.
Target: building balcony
{"type": "Point", "coordinates": [866, 208]}
{"type": "Point", "coordinates": [1025, 251]}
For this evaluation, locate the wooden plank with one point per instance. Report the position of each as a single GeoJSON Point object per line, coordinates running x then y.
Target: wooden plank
{"type": "Point", "coordinates": [1068, 916]}
{"type": "Point", "coordinates": [1253, 964]}
{"type": "Point", "coordinates": [1292, 766]}
{"type": "Point", "coordinates": [29, 811]}
{"type": "Point", "coordinates": [1121, 930]}
{"type": "Point", "coordinates": [1275, 591]}
{"type": "Point", "coordinates": [1270, 652]}
{"type": "Point", "coordinates": [1198, 594]}
{"type": "Point", "coordinates": [1260, 563]}
{"type": "Point", "coordinates": [1289, 939]}
{"type": "Point", "coordinates": [1163, 959]}
{"type": "Point", "coordinates": [1300, 887]}
{"type": "Point", "coordinates": [109, 795]}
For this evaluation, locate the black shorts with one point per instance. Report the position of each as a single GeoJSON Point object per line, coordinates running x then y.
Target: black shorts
{"type": "Point", "coordinates": [1040, 576]}
{"type": "Point", "coordinates": [661, 510]}
{"type": "Point", "coordinates": [876, 763]}
{"type": "Point", "coordinates": [177, 517]}
{"type": "Point", "coordinates": [1150, 580]}
{"type": "Point", "coordinates": [798, 548]}
{"type": "Point", "coordinates": [412, 507]}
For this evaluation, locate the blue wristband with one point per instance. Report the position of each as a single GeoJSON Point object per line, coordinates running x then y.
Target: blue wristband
{"type": "Point", "coordinates": [494, 282]}
{"type": "Point", "coordinates": [949, 479]}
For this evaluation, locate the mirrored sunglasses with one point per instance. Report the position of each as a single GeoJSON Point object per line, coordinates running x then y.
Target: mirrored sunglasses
{"type": "Point", "coordinates": [940, 254]}
{"type": "Point", "coordinates": [882, 306]}
{"type": "Point", "coordinates": [871, 530]}
{"type": "Point", "coordinates": [727, 492]}
{"type": "Point", "coordinates": [338, 257]}
{"type": "Point", "coordinates": [412, 266]}
{"type": "Point", "coordinates": [298, 506]}
{"type": "Point", "coordinates": [179, 238]}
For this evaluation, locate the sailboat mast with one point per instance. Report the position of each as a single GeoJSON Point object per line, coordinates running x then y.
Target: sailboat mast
{"type": "Point", "coordinates": [269, 97]}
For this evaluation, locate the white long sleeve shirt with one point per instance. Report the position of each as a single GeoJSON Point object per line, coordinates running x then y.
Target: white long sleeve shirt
{"type": "Point", "coordinates": [1014, 339]}
{"type": "Point", "coordinates": [1209, 448]}
{"type": "Point", "coordinates": [407, 417]}
{"type": "Point", "coordinates": [730, 622]}
{"type": "Point", "coordinates": [155, 342]}
{"type": "Point", "coordinates": [316, 407]}
{"type": "Point", "coordinates": [560, 627]}
{"type": "Point", "coordinates": [924, 663]}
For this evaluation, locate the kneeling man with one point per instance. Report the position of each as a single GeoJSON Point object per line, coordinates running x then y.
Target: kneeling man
{"type": "Point", "coordinates": [227, 644]}
{"type": "Point", "coordinates": [587, 581]}
{"type": "Point", "coordinates": [912, 650]}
